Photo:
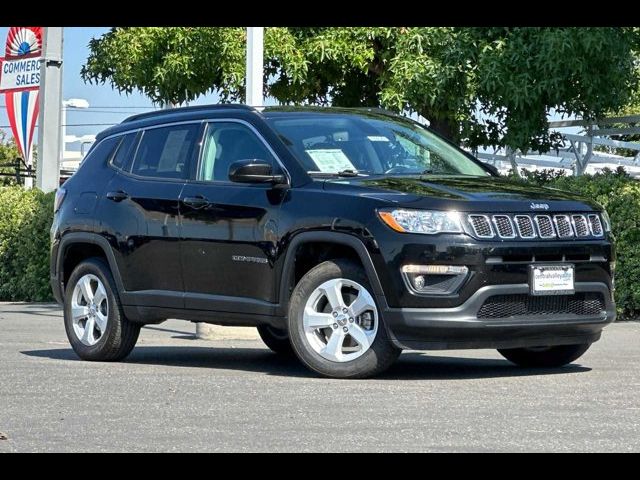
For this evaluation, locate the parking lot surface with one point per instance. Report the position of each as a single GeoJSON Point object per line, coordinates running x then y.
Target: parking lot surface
{"type": "Point", "coordinates": [176, 393]}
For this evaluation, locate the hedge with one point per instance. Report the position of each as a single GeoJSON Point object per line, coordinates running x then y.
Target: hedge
{"type": "Point", "coordinates": [26, 215]}
{"type": "Point", "coordinates": [619, 194]}
{"type": "Point", "coordinates": [25, 219]}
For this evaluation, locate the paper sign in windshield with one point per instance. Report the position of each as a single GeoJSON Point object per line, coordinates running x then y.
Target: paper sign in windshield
{"type": "Point", "coordinates": [330, 160]}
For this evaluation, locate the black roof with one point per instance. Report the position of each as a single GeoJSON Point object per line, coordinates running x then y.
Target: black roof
{"type": "Point", "coordinates": [194, 109]}
{"type": "Point", "coordinates": [201, 111]}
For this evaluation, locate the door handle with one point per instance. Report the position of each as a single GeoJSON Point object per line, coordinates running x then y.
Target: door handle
{"type": "Point", "coordinates": [117, 196]}
{"type": "Point", "coordinates": [196, 202]}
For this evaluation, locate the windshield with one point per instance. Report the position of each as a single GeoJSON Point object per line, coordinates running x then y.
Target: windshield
{"type": "Point", "coordinates": [372, 145]}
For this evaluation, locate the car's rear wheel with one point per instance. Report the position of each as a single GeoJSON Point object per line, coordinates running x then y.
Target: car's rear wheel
{"type": "Point", "coordinates": [93, 317]}
{"type": "Point", "coordinates": [276, 339]}
{"type": "Point", "coordinates": [335, 325]}
{"type": "Point", "coordinates": [545, 357]}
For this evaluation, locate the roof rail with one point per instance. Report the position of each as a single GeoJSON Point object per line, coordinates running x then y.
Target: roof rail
{"type": "Point", "coordinates": [382, 111]}
{"type": "Point", "coordinates": [195, 108]}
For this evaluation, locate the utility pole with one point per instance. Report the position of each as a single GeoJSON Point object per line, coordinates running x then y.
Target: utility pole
{"type": "Point", "coordinates": [49, 121]}
{"type": "Point", "coordinates": [255, 56]}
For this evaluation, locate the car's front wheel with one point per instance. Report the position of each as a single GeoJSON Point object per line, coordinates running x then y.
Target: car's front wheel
{"type": "Point", "coordinates": [93, 317]}
{"type": "Point", "coordinates": [545, 357]}
{"type": "Point", "coordinates": [335, 326]}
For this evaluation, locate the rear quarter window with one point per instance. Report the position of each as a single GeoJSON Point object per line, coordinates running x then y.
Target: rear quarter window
{"type": "Point", "coordinates": [125, 151]}
{"type": "Point", "coordinates": [101, 152]}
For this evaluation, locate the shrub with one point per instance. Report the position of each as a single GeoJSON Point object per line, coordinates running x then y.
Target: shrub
{"type": "Point", "coordinates": [25, 220]}
{"type": "Point", "coordinates": [619, 194]}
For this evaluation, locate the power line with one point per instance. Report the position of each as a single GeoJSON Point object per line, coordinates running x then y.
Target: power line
{"type": "Point", "coordinates": [76, 125]}
{"type": "Point", "coordinates": [103, 111]}
{"type": "Point", "coordinates": [2, 105]}
{"type": "Point", "coordinates": [122, 106]}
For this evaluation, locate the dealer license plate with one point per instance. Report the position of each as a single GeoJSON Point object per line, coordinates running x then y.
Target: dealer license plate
{"type": "Point", "coordinates": [552, 279]}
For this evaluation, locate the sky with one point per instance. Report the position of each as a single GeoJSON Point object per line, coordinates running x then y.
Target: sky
{"type": "Point", "coordinates": [106, 105]}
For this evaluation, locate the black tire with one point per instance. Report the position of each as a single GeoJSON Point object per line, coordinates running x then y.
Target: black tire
{"type": "Point", "coordinates": [276, 339]}
{"type": "Point", "coordinates": [381, 354]}
{"type": "Point", "coordinates": [120, 335]}
{"type": "Point", "coordinates": [550, 357]}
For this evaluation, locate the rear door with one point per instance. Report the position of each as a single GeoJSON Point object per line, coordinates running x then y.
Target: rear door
{"type": "Point", "coordinates": [229, 230]}
{"type": "Point", "coordinates": [142, 211]}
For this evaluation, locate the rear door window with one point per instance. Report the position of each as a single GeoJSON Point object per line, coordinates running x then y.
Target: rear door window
{"type": "Point", "coordinates": [166, 152]}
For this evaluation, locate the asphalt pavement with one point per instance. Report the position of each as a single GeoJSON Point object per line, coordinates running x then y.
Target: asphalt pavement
{"type": "Point", "coordinates": [176, 393]}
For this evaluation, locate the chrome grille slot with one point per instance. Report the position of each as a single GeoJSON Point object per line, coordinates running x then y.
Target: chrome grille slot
{"type": "Point", "coordinates": [522, 226]}
{"type": "Point", "coordinates": [504, 227]}
{"type": "Point", "coordinates": [563, 226]}
{"type": "Point", "coordinates": [580, 225]}
{"type": "Point", "coordinates": [525, 226]}
{"type": "Point", "coordinates": [545, 226]}
{"type": "Point", "coordinates": [595, 225]}
{"type": "Point", "coordinates": [481, 226]}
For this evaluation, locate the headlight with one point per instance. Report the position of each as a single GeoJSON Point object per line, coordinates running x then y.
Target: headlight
{"type": "Point", "coordinates": [421, 221]}
{"type": "Point", "coordinates": [606, 221]}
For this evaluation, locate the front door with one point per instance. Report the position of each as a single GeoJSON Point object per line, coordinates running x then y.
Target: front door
{"type": "Point", "coordinates": [229, 230]}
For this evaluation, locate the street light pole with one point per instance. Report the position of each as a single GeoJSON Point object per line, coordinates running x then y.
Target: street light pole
{"type": "Point", "coordinates": [49, 121]}
{"type": "Point", "coordinates": [255, 57]}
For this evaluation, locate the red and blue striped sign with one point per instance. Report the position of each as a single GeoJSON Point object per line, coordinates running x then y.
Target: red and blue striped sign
{"type": "Point", "coordinates": [23, 105]}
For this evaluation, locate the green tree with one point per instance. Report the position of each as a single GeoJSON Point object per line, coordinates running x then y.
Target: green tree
{"type": "Point", "coordinates": [8, 155]}
{"type": "Point", "coordinates": [482, 86]}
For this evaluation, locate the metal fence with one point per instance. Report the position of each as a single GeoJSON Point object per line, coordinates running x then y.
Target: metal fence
{"type": "Point", "coordinates": [592, 149]}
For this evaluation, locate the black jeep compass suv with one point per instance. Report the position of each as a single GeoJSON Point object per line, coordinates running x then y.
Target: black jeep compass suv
{"type": "Point", "coordinates": [343, 235]}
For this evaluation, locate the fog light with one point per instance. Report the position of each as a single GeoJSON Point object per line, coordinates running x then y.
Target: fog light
{"type": "Point", "coordinates": [434, 279]}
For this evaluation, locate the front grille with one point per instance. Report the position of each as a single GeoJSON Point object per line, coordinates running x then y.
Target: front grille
{"type": "Point", "coordinates": [504, 226]}
{"type": "Point", "coordinates": [580, 226]}
{"type": "Point", "coordinates": [527, 227]}
{"type": "Point", "coordinates": [595, 225]}
{"type": "Point", "coordinates": [481, 226]}
{"type": "Point", "coordinates": [589, 304]}
{"type": "Point", "coordinates": [563, 225]}
{"type": "Point", "coordinates": [545, 226]}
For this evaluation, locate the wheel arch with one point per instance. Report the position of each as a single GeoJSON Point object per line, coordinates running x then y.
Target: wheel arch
{"type": "Point", "coordinates": [333, 238]}
{"type": "Point", "coordinates": [92, 244]}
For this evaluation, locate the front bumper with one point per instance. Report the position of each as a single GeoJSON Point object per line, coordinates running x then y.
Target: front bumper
{"type": "Point", "coordinates": [459, 327]}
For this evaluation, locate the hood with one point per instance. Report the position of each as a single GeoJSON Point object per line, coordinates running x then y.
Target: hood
{"type": "Point", "coordinates": [471, 194]}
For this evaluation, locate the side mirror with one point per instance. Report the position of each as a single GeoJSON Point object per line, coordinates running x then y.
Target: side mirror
{"type": "Point", "coordinates": [492, 168]}
{"type": "Point", "coordinates": [254, 171]}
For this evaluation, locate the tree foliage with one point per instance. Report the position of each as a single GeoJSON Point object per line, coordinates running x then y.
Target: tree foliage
{"type": "Point", "coordinates": [483, 86]}
{"type": "Point", "coordinates": [8, 155]}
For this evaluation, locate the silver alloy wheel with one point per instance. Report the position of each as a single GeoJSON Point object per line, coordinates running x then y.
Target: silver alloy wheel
{"type": "Point", "coordinates": [89, 309]}
{"type": "Point", "coordinates": [336, 330]}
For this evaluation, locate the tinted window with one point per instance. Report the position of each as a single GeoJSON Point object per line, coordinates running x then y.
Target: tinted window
{"type": "Point", "coordinates": [124, 152]}
{"type": "Point", "coordinates": [166, 152]}
{"type": "Point", "coordinates": [101, 152]}
{"type": "Point", "coordinates": [226, 143]}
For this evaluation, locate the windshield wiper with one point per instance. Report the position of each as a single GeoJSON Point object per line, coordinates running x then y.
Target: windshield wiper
{"type": "Point", "coordinates": [343, 173]}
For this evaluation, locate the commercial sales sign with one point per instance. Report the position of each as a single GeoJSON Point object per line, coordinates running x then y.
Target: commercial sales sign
{"type": "Point", "coordinates": [20, 73]}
